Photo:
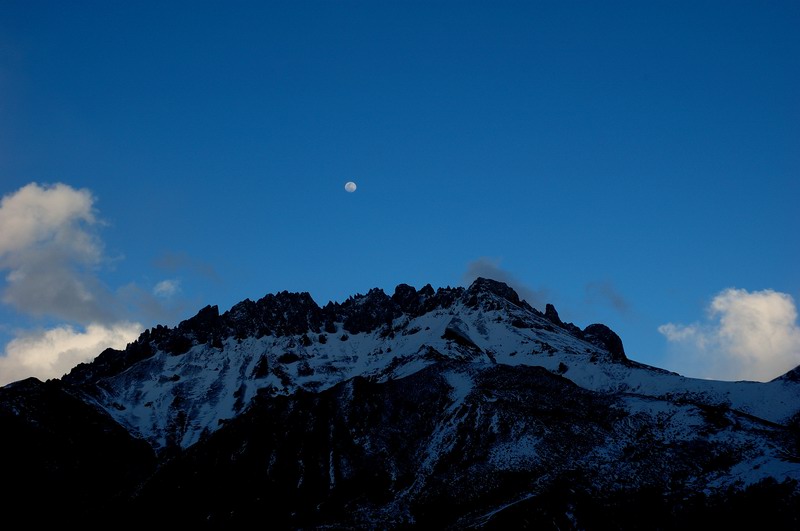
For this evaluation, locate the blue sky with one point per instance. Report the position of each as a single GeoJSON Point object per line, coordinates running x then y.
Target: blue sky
{"type": "Point", "coordinates": [634, 163]}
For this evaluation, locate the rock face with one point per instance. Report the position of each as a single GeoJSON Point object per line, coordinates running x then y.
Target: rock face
{"type": "Point", "coordinates": [605, 338]}
{"type": "Point", "coordinates": [452, 408]}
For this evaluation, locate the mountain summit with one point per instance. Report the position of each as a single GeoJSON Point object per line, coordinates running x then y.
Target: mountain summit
{"type": "Point", "coordinates": [453, 408]}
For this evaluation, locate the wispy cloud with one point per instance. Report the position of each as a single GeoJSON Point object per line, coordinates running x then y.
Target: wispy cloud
{"type": "Point", "coordinates": [746, 336]}
{"type": "Point", "coordinates": [604, 292]}
{"type": "Point", "coordinates": [490, 268]}
{"type": "Point", "coordinates": [178, 261]}
{"type": "Point", "coordinates": [166, 288]}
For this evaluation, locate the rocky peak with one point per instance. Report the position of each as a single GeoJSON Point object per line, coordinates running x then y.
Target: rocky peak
{"type": "Point", "coordinates": [204, 326]}
{"type": "Point", "coordinates": [407, 298]}
{"type": "Point", "coordinates": [481, 290]}
{"type": "Point", "coordinates": [604, 337]}
{"type": "Point", "coordinates": [415, 303]}
{"type": "Point", "coordinates": [278, 314]}
{"type": "Point", "coordinates": [365, 313]}
{"type": "Point", "coordinates": [205, 318]}
{"type": "Point", "coordinates": [551, 315]}
{"type": "Point", "coordinates": [427, 291]}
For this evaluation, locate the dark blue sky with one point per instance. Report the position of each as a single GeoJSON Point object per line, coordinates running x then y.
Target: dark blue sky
{"type": "Point", "coordinates": [627, 161]}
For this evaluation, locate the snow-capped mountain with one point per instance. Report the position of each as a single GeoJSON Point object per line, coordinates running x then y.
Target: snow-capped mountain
{"type": "Point", "coordinates": [457, 407]}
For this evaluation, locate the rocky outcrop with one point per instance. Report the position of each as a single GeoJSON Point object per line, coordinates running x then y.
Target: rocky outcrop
{"type": "Point", "coordinates": [607, 339]}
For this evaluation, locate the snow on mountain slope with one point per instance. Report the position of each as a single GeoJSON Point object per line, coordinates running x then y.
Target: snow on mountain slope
{"type": "Point", "coordinates": [448, 409]}
{"type": "Point", "coordinates": [463, 443]}
{"type": "Point", "coordinates": [174, 386]}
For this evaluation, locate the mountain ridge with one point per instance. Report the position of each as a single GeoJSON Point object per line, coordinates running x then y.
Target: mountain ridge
{"type": "Point", "coordinates": [456, 407]}
{"type": "Point", "coordinates": [296, 323]}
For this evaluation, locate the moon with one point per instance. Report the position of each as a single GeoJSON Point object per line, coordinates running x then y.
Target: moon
{"type": "Point", "coordinates": [350, 186]}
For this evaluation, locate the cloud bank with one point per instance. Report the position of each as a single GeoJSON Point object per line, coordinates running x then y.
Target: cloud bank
{"type": "Point", "coordinates": [53, 353]}
{"type": "Point", "coordinates": [747, 336]}
{"type": "Point", "coordinates": [50, 254]}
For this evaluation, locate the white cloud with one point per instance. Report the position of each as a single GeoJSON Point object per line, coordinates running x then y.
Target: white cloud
{"type": "Point", "coordinates": [53, 353]}
{"type": "Point", "coordinates": [675, 332]}
{"type": "Point", "coordinates": [36, 215]}
{"type": "Point", "coordinates": [50, 250]}
{"type": "Point", "coordinates": [50, 259]}
{"type": "Point", "coordinates": [748, 336]}
{"type": "Point", "coordinates": [166, 288]}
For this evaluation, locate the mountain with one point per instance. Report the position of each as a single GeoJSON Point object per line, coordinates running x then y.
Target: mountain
{"type": "Point", "coordinates": [455, 408]}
